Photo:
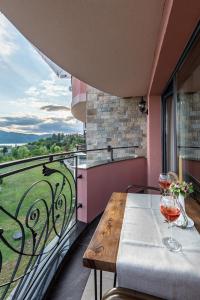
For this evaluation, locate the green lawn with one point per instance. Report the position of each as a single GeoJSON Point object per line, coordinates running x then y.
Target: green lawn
{"type": "Point", "coordinates": [11, 195]}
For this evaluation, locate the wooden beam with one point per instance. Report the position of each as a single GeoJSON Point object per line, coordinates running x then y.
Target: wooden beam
{"type": "Point", "coordinates": [103, 248]}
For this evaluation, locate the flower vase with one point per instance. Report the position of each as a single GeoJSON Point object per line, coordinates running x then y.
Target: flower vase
{"type": "Point", "coordinates": [183, 221]}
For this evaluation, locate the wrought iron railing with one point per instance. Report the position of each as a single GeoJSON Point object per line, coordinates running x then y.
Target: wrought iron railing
{"type": "Point", "coordinates": [38, 212]}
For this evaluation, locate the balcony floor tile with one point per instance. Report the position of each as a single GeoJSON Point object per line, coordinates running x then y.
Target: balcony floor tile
{"type": "Point", "coordinates": [72, 279]}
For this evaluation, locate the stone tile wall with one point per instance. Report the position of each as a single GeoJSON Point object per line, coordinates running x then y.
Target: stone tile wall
{"type": "Point", "coordinates": [114, 121]}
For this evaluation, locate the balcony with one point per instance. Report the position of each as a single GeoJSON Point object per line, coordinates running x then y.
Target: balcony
{"type": "Point", "coordinates": [46, 202]}
{"type": "Point", "coordinates": [50, 205]}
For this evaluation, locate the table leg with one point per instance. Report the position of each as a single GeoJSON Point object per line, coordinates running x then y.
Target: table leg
{"type": "Point", "coordinates": [95, 284]}
{"type": "Point", "coordinates": [115, 280]}
{"type": "Point", "coordinates": [100, 284]}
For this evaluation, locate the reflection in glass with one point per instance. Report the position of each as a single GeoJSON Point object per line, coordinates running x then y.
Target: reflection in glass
{"type": "Point", "coordinates": [188, 114]}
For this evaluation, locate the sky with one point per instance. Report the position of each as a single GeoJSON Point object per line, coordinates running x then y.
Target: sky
{"type": "Point", "coordinates": [32, 98]}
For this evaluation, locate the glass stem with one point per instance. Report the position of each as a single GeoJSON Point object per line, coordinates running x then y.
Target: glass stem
{"type": "Point", "coordinates": [171, 225]}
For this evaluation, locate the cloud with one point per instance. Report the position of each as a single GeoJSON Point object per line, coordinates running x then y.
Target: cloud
{"type": "Point", "coordinates": [49, 92]}
{"type": "Point", "coordinates": [55, 108]}
{"type": "Point", "coordinates": [32, 92]}
{"type": "Point", "coordinates": [26, 120]}
{"type": "Point", "coordinates": [47, 96]}
{"type": "Point", "coordinates": [18, 65]}
{"type": "Point", "coordinates": [33, 124]}
{"type": "Point", "coordinates": [7, 42]}
{"type": "Point", "coordinates": [53, 87]}
{"type": "Point", "coordinates": [33, 99]}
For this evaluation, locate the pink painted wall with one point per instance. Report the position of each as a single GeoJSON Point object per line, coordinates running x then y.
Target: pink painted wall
{"type": "Point", "coordinates": [178, 23]}
{"type": "Point", "coordinates": [154, 147]}
{"type": "Point", "coordinates": [82, 195]}
{"type": "Point", "coordinates": [98, 183]}
{"type": "Point", "coordinates": [78, 87]}
{"type": "Point", "coordinates": [163, 27]}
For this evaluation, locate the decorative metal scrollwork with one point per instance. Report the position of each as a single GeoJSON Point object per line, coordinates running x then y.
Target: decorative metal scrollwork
{"type": "Point", "coordinates": [43, 217]}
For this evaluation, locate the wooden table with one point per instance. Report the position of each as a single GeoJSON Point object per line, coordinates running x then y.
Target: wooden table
{"type": "Point", "coordinates": [102, 250]}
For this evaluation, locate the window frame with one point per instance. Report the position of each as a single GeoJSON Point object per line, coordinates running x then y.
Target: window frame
{"type": "Point", "coordinates": [171, 91]}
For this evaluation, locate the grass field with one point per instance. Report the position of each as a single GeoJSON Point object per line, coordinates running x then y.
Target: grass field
{"type": "Point", "coordinates": [40, 196]}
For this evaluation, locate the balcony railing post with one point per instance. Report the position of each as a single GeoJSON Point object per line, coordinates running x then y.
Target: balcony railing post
{"type": "Point", "coordinates": [110, 149]}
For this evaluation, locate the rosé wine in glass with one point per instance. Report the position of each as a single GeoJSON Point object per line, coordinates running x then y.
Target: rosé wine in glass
{"type": "Point", "coordinates": [170, 213]}
{"type": "Point", "coordinates": [170, 209]}
{"type": "Point", "coordinates": [164, 182]}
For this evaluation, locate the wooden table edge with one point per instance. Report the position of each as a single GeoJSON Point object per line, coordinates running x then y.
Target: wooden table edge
{"type": "Point", "coordinates": [101, 253]}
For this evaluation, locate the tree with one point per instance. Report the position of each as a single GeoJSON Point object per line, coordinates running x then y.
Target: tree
{"type": "Point", "coordinates": [5, 150]}
{"type": "Point", "coordinates": [52, 148]}
{"type": "Point", "coordinates": [54, 137]}
{"type": "Point", "coordinates": [54, 144]}
{"type": "Point", "coordinates": [55, 148]}
{"type": "Point", "coordinates": [59, 137]}
{"type": "Point", "coordinates": [23, 152]}
{"type": "Point", "coordinates": [43, 150]}
{"type": "Point", "coordinates": [1, 183]}
{"type": "Point", "coordinates": [15, 152]}
{"type": "Point", "coordinates": [35, 151]}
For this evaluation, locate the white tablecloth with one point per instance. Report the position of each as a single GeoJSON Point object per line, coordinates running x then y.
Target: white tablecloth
{"type": "Point", "coordinates": [144, 264]}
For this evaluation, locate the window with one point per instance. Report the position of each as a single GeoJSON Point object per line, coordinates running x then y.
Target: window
{"type": "Point", "coordinates": [181, 117]}
{"type": "Point", "coordinates": [188, 113]}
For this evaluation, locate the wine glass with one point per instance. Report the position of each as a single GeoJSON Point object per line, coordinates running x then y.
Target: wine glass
{"type": "Point", "coordinates": [170, 209]}
{"type": "Point", "coordinates": [164, 182]}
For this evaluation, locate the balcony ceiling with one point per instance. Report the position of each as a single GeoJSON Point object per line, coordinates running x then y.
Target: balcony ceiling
{"type": "Point", "coordinates": [109, 44]}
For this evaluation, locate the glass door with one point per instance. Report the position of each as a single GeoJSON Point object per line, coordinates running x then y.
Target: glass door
{"type": "Point", "coordinates": [181, 118]}
{"type": "Point", "coordinates": [188, 114]}
{"type": "Point", "coordinates": [169, 131]}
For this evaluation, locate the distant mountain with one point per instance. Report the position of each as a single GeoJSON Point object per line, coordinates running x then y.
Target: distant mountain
{"type": "Point", "coordinates": [17, 138]}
